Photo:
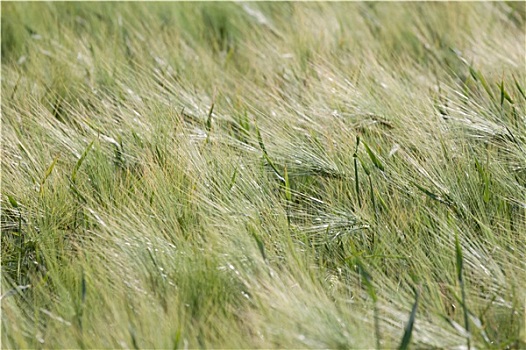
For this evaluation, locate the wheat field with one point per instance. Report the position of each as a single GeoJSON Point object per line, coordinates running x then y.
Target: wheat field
{"type": "Point", "coordinates": [263, 175]}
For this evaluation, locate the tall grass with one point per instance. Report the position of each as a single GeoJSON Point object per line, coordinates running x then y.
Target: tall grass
{"type": "Point", "coordinates": [181, 175]}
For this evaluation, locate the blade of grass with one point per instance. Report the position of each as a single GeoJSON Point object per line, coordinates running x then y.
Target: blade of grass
{"type": "Point", "coordinates": [259, 242]}
{"type": "Point", "coordinates": [266, 156]}
{"type": "Point", "coordinates": [77, 193]}
{"type": "Point", "coordinates": [133, 336]}
{"type": "Point", "coordinates": [80, 311]}
{"type": "Point", "coordinates": [364, 166]}
{"type": "Point", "coordinates": [233, 179]}
{"type": "Point", "coordinates": [373, 200]}
{"type": "Point", "coordinates": [368, 280]}
{"type": "Point", "coordinates": [485, 178]}
{"type": "Point", "coordinates": [374, 158]}
{"type": "Point", "coordinates": [432, 195]}
{"type": "Point", "coordinates": [280, 178]}
{"type": "Point", "coordinates": [260, 140]}
{"type": "Point", "coordinates": [80, 161]}
{"type": "Point", "coordinates": [177, 339]}
{"type": "Point", "coordinates": [408, 331]}
{"type": "Point", "coordinates": [479, 77]}
{"type": "Point", "coordinates": [12, 201]}
{"type": "Point", "coordinates": [209, 122]}
{"type": "Point", "coordinates": [288, 192]}
{"type": "Point", "coordinates": [356, 179]}
{"type": "Point", "coordinates": [476, 321]}
{"type": "Point", "coordinates": [48, 172]}
{"type": "Point", "coordinates": [357, 183]}
{"type": "Point", "coordinates": [521, 90]}
{"type": "Point", "coordinates": [16, 87]}
{"type": "Point", "coordinates": [460, 270]}
{"type": "Point", "coordinates": [503, 94]}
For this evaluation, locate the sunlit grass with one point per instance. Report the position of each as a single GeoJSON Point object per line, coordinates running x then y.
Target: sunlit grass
{"type": "Point", "coordinates": [255, 175]}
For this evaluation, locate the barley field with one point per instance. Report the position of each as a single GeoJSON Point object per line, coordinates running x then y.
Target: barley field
{"type": "Point", "coordinates": [263, 175]}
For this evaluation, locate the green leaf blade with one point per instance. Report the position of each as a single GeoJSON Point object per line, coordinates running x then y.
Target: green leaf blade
{"type": "Point", "coordinates": [376, 161]}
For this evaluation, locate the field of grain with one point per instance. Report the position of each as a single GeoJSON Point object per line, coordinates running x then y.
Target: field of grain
{"type": "Point", "coordinates": [263, 175]}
